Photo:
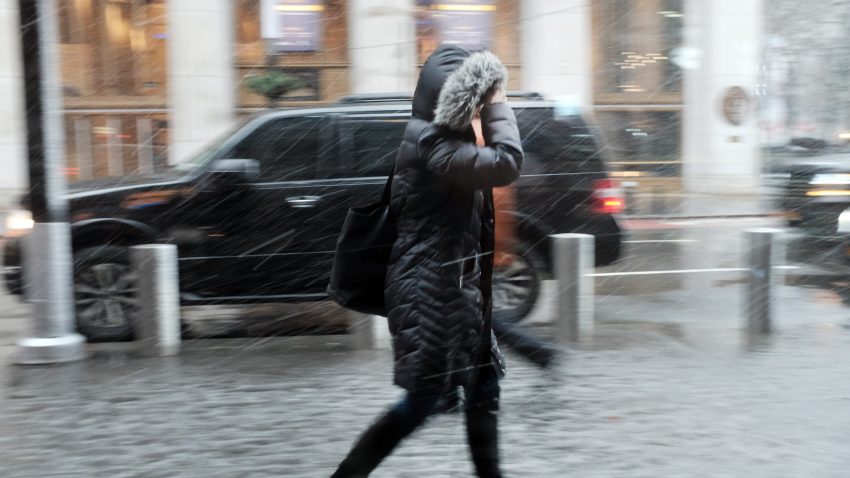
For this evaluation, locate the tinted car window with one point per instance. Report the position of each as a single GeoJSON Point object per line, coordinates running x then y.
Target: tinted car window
{"type": "Point", "coordinates": [372, 145]}
{"type": "Point", "coordinates": [557, 145]}
{"type": "Point", "coordinates": [288, 149]}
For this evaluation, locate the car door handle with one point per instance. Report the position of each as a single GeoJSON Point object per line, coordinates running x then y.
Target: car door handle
{"type": "Point", "coordinates": [303, 201]}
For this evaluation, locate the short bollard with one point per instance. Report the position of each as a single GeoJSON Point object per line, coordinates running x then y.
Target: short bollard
{"type": "Point", "coordinates": [157, 324]}
{"type": "Point", "coordinates": [368, 332]}
{"type": "Point", "coordinates": [574, 257]}
{"type": "Point", "coordinates": [765, 254]}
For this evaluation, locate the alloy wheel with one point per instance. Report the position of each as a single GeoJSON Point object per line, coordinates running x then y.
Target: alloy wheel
{"type": "Point", "coordinates": [105, 295]}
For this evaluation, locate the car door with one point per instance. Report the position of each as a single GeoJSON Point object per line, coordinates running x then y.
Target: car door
{"type": "Point", "coordinates": [561, 163]}
{"type": "Point", "coordinates": [266, 233]}
{"type": "Point", "coordinates": [368, 145]}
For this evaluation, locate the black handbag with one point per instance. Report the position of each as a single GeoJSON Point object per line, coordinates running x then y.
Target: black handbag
{"type": "Point", "coordinates": [362, 255]}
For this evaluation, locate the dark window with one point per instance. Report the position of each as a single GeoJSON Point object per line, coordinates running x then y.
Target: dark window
{"type": "Point", "coordinates": [643, 141]}
{"type": "Point", "coordinates": [618, 42]}
{"type": "Point", "coordinates": [556, 145]}
{"type": "Point", "coordinates": [288, 149]}
{"type": "Point", "coordinates": [672, 39]}
{"type": "Point", "coordinates": [372, 146]}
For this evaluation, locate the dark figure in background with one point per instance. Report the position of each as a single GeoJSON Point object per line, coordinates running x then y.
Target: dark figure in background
{"type": "Point", "coordinates": [507, 331]}
{"type": "Point", "coordinates": [535, 350]}
{"type": "Point", "coordinates": [439, 282]}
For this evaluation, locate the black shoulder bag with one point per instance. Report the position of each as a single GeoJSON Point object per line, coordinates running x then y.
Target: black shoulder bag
{"type": "Point", "coordinates": [362, 255]}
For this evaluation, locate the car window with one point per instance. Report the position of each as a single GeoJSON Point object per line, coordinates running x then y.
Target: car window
{"type": "Point", "coordinates": [557, 145]}
{"type": "Point", "coordinates": [371, 145]}
{"type": "Point", "coordinates": [288, 149]}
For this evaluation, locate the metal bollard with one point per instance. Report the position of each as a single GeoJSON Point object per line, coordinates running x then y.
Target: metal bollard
{"type": "Point", "coordinates": [765, 254]}
{"type": "Point", "coordinates": [629, 188]}
{"type": "Point", "coordinates": [368, 332]}
{"type": "Point", "coordinates": [574, 257]}
{"type": "Point", "coordinates": [157, 324]}
{"type": "Point", "coordinates": [48, 280]}
{"type": "Point", "coordinates": [659, 201]}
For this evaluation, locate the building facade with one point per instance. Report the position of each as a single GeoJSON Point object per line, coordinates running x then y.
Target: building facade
{"type": "Point", "coordinates": [148, 82]}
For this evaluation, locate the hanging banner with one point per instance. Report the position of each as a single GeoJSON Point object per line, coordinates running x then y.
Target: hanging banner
{"type": "Point", "coordinates": [292, 25]}
{"type": "Point", "coordinates": [465, 23]}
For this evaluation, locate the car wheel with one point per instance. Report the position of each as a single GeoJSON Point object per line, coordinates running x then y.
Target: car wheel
{"type": "Point", "coordinates": [516, 285]}
{"type": "Point", "coordinates": [104, 293]}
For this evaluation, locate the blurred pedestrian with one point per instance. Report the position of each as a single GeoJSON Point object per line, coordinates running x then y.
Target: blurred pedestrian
{"type": "Point", "coordinates": [507, 331]}
{"type": "Point", "coordinates": [533, 349]}
{"type": "Point", "coordinates": [439, 281]}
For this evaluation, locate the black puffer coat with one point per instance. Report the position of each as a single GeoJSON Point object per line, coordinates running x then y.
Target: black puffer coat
{"type": "Point", "coordinates": [439, 280]}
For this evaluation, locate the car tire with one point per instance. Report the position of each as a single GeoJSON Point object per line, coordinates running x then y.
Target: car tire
{"type": "Point", "coordinates": [104, 293]}
{"type": "Point", "coordinates": [516, 287]}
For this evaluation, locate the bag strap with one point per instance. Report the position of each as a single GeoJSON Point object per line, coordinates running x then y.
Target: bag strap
{"type": "Point", "coordinates": [385, 198]}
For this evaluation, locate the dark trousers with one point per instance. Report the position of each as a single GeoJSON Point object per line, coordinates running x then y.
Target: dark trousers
{"type": "Point", "coordinates": [528, 346]}
{"type": "Point", "coordinates": [407, 415]}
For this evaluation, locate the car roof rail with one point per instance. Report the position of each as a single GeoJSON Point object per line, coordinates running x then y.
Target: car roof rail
{"type": "Point", "coordinates": [376, 98]}
{"type": "Point", "coordinates": [524, 95]}
{"type": "Point", "coordinates": [371, 98]}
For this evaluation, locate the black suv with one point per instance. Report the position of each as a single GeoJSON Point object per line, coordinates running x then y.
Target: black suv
{"type": "Point", "coordinates": [256, 215]}
{"type": "Point", "coordinates": [817, 192]}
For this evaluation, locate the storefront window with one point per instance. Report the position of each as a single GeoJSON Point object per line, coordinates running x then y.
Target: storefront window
{"type": "Point", "coordinates": [113, 48]}
{"type": "Point", "coordinates": [293, 25]}
{"type": "Point", "coordinates": [647, 143]}
{"type": "Point", "coordinates": [307, 39]}
{"type": "Point", "coordinates": [635, 42]}
{"type": "Point", "coordinates": [101, 145]}
{"type": "Point", "coordinates": [465, 23]}
{"type": "Point", "coordinates": [616, 38]}
{"type": "Point", "coordinates": [671, 39]}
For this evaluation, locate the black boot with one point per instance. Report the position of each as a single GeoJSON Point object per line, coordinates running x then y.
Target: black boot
{"type": "Point", "coordinates": [374, 445]}
{"type": "Point", "coordinates": [482, 433]}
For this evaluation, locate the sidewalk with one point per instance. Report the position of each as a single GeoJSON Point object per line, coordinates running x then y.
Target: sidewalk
{"type": "Point", "coordinates": [15, 320]}
{"type": "Point", "coordinates": [667, 387]}
{"type": "Point", "coordinates": [693, 205]}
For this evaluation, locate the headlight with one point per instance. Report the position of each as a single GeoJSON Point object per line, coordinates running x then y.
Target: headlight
{"type": "Point", "coordinates": [18, 223]}
{"type": "Point", "coordinates": [830, 178]}
{"type": "Point", "coordinates": [829, 184]}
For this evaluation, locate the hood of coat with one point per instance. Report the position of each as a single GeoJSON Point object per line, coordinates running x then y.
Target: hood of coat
{"type": "Point", "coordinates": [437, 68]}
{"type": "Point", "coordinates": [452, 83]}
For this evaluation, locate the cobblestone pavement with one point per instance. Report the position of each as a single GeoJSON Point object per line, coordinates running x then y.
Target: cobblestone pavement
{"type": "Point", "coordinates": [642, 398]}
{"type": "Point", "coordinates": [15, 318]}
{"type": "Point", "coordinates": [667, 386]}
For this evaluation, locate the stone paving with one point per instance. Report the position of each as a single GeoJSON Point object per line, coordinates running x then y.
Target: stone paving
{"type": "Point", "coordinates": [667, 386]}
{"type": "Point", "coordinates": [642, 399]}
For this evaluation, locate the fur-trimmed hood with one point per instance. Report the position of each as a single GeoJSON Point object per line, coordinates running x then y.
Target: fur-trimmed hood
{"type": "Point", "coordinates": [452, 83]}
{"type": "Point", "coordinates": [466, 87]}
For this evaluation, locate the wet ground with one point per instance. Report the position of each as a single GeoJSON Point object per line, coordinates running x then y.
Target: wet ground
{"type": "Point", "coordinates": [668, 385]}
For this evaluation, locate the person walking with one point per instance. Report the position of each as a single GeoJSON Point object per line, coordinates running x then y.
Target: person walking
{"type": "Point", "coordinates": [439, 279]}
{"type": "Point", "coordinates": [507, 331]}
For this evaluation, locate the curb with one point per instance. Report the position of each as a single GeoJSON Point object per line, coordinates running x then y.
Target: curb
{"type": "Point", "coordinates": [704, 216]}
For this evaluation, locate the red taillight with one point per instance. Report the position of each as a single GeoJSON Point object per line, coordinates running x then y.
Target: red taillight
{"type": "Point", "coordinates": [608, 197]}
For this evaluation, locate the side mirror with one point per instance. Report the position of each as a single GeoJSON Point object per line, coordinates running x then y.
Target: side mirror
{"type": "Point", "coordinates": [235, 170]}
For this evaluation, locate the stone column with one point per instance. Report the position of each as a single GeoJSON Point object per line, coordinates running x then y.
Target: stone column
{"type": "Point", "coordinates": [201, 91]}
{"type": "Point", "coordinates": [720, 133]}
{"type": "Point", "coordinates": [382, 46]}
{"type": "Point", "coordinates": [555, 48]}
{"type": "Point", "coordinates": [13, 162]}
